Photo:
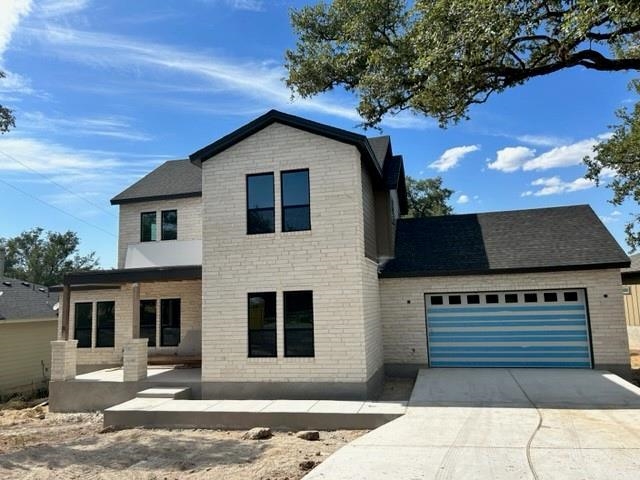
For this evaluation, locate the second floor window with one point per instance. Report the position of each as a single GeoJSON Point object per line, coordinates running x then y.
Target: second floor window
{"type": "Point", "coordinates": [148, 227]}
{"type": "Point", "coordinates": [296, 214]}
{"type": "Point", "coordinates": [169, 225]}
{"type": "Point", "coordinates": [260, 204]}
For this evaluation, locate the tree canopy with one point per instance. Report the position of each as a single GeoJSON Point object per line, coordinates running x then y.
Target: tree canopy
{"type": "Point", "coordinates": [44, 258]}
{"type": "Point", "coordinates": [439, 57]}
{"type": "Point", "coordinates": [427, 197]}
{"type": "Point", "coordinates": [7, 120]}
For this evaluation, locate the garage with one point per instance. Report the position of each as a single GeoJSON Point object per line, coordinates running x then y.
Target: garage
{"type": "Point", "coordinates": [538, 329]}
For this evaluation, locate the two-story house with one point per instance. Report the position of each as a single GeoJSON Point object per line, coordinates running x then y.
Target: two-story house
{"type": "Point", "coordinates": [278, 256]}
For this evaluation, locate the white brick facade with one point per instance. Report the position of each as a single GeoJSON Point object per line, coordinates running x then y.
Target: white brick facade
{"type": "Point", "coordinates": [189, 221]}
{"type": "Point", "coordinates": [329, 260]}
{"type": "Point", "coordinates": [403, 309]}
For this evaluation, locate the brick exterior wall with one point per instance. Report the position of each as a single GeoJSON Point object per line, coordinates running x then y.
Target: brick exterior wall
{"type": "Point", "coordinates": [403, 309]}
{"type": "Point", "coordinates": [329, 260]}
{"type": "Point", "coordinates": [369, 205]}
{"type": "Point", "coordinates": [189, 292]}
{"type": "Point", "coordinates": [189, 221]}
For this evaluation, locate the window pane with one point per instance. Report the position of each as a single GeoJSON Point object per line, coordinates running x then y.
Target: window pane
{"type": "Point", "coordinates": [492, 298]}
{"type": "Point", "coordinates": [296, 214]}
{"type": "Point", "coordinates": [511, 298]}
{"type": "Point", "coordinates": [473, 299]}
{"type": "Point", "coordinates": [169, 322]}
{"type": "Point", "coordinates": [295, 219]}
{"type": "Point", "coordinates": [148, 321]}
{"type": "Point", "coordinates": [82, 320]}
{"type": "Point", "coordinates": [455, 299]}
{"type": "Point", "coordinates": [148, 230]}
{"type": "Point", "coordinates": [262, 324]}
{"type": "Point", "coordinates": [530, 297]}
{"type": "Point", "coordinates": [105, 323]}
{"type": "Point", "coordinates": [550, 297]}
{"type": "Point", "coordinates": [260, 204]}
{"type": "Point", "coordinates": [570, 296]}
{"type": "Point", "coordinates": [298, 324]}
{"type": "Point", "coordinates": [170, 225]}
{"type": "Point", "coordinates": [436, 300]}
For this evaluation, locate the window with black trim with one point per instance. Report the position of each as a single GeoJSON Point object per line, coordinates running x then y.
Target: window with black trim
{"type": "Point", "coordinates": [169, 225]}
{"type": "Point", "coordinates": [437, 300]}
{"type": "Point", "coordinates": [511, 298]}
{"type": "Point", "coordinates": [455, 300]}
{"type": "Point", "coordinates": [148, 227]}
{"type": "Point", "coordinates": [570, 296]}
{"type": "Point", "coordinates": [296, 211]}
{"type": "Point", "coordinates": [105, 323]}
{"type": "Point", "coordinates": [83, 318]}
{"type": "Point", "coordinates": [550, 297]}
{"type": "Point", "coordinates": [260, 204]}
{"type": "Point", "coordinates": [262, 324]}
{"type": "Point", "coordinates": [492, 298]}
{"type": "Point", "coordinates": [169, 322]}
{"type": "Point", "coordinates": [530, 297]}
{"type": "Point", "coordinates": [298, 324]}
{"type": "Point", "coordinates": [473, 299]}
{"type": "Point", "coordinates": [148, 321]}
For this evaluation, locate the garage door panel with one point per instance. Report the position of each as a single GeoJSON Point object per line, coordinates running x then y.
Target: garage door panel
{"type": "Point", "coordinates": [515, 334]}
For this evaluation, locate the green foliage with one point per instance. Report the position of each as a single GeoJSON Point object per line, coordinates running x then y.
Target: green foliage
{"type": "Point", "coordinates": [427, 197]}
{"type": "Point", "coordinates": [44, 258]}
{"type": "Point", "coordinates": [620, 154]}
{"type": "Point", "coordinates": [439, 57]}
{"type": "Point", "coordinates": [7, 120]}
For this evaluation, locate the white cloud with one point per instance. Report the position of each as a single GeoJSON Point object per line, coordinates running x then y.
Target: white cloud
{"type": "Point", "coordinates": [510, 159]}
{"type": "Point", "coordinates": [541, 140]}
{"type": "Point", "coordinates": [252, 5]}
{"type": "Point", "coordinates": [451, 157]}
{"type": "Point", "coordinates": [12, 12]}
{"type": "Point", "coordinates": [60, 8]}
{"type": "Point", "coordinates": [555, 186]}
{"type": "Point", "coordinates": [564, 156]}
{"type": "Point", "coordinates": [616, 213]}
{"type": "Point", "coordinates": [462, 199]}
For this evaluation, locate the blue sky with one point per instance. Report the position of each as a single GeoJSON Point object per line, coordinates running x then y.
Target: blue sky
{"type": "Point", "coordinates": [105, 91]}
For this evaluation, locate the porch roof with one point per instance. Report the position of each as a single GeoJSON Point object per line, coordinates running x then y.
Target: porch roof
{"type": "Point", "coordinates": [101, 278]}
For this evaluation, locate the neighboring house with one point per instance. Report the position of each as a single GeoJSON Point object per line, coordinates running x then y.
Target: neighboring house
{"type": "Point", "coordinates": [27, 327]}
{"type": "Point", "coordinates": [631, 290]}
{"type": "Point", "coordinates": [277, 254]}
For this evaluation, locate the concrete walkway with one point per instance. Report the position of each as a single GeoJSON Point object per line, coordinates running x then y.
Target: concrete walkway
{"type": "Point", "coordinates": [497, 424]}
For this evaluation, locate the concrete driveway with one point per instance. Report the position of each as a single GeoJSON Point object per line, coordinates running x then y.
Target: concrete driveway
{"type": "Point", "coordinates": [506, 424]}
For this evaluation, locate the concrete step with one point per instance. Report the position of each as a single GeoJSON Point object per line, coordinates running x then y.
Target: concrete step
{"type": "Point", "coordinates": [173, 393]}
{"type": "Point", "coordinates": [246, 414]}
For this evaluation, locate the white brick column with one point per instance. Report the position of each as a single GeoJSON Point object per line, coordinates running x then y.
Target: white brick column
{"type": "Point", "coordinates": [134, 360]}
{"type": "Point", "coordinates": [63, 360]}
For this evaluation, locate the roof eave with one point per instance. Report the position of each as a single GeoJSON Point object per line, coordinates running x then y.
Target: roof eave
{"type": "Point", "coordinates": [174, 196]}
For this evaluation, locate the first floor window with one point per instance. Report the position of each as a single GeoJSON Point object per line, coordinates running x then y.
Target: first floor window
{"type": "Point", "coordinates": [83, 319]}
{"type": "Point", "coordinates": [169, 225]}
{"type": "Point", "coordinates": [262, 324]}
{"type": "Point", "coordinates": [298, 324]}
{"type": "Point", "coordinates": [105, 323]}
{"type": "Point", "coordinates": [148, 228]}
{"type": "Point", "coordinates": [148, 321]}
{"type": "Point", "coordinates": [169, 322]}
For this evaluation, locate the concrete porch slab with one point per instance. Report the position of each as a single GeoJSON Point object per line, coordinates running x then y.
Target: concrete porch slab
{"type": "Point", "coordinates": [245, 414]}
{"type": "Point", "coordinates": [175, 393]}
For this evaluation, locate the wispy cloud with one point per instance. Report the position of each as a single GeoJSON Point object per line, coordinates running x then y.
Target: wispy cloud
{"type": "Point", "coordinates": [451, 157]}
{"type": "Point", "coordinates": [555, 186]}
{"type": "Point", "coordinates": [105, 126]}
{"type": "Point", "coordinates": [11, 13]}
{"type": "Point", "coordinates": [611, 217]}
{"type": "Point", "coordinates": [462, 199]}
{"type": "Point", "coordinates": [510, 159]}
{"type": "Point", "coordinates": [59, 8]}
{"type": "Point", "coordinates": [257, 81]}
{"type": "Point", "coordinates": [541, 140]}
{"type": "Point", "coordinates": [252, 5]}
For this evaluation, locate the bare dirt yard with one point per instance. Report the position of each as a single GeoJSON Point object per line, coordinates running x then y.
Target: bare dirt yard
{"type": "Point", "coordinates": [37, 444]}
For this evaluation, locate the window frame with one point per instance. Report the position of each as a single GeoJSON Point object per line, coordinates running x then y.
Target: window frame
{"type": "Point", "coordinates": [98, 329]}
{"type": "Point", "coordinates": [155, 218]}
{"type": "Point", "coordinates": [273, 202]}
{"type": "Point", "coordinates": [75, 324]}
{"type": "Point", "coordinates": [163, 327]}
{"type": "Point", "coordinates": [250, 353]}
{"type": "Point", "coordinates": [162, 223]}
{"type": "Point", "coordinates": [284, 324]}
{"type": "Point", "coordinates": [283, 207]}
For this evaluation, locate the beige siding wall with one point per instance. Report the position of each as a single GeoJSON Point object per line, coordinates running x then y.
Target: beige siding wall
{"type": "Point", "coordinates": [25, 354]}
{"type": "Point", "coordinates": [189, 221]}
{"type": "Point", "coordinates": [372, 322]}
{"type": "Point", "coordinates": [403, 309]}
{"type": "Point", "coordinates": [369, 205]}
{"type": "Point", "coordinates": [329, 260]}
{"type": "Point", "coordinates": [632, 305]}
{"type": "Point", "coordinates": [189, 292]}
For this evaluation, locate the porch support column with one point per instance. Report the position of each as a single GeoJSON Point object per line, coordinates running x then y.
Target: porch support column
{"type": "Point", "coordinates": [134, 360]}
{"type": "Point", "coordinates": [66, 305]}
{"type": "Point", "coordinates": [135, 310]}
{"type": "Point", "coordinates": [63, 360]}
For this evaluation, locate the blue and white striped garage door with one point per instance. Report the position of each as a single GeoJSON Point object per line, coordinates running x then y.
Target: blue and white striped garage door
{"type": "Point", "coordinates": [508, 329]}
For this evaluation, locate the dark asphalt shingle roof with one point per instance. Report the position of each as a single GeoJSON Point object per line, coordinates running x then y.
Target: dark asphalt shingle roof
{"type": "Point", "coordinates": [380, 147]}
{"type": "Point", "coordinates": [172, 179]}
{"type": "Point", "coordinates": [521, 240]}
{"type": "Point", "coordinates": [20, 301]}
